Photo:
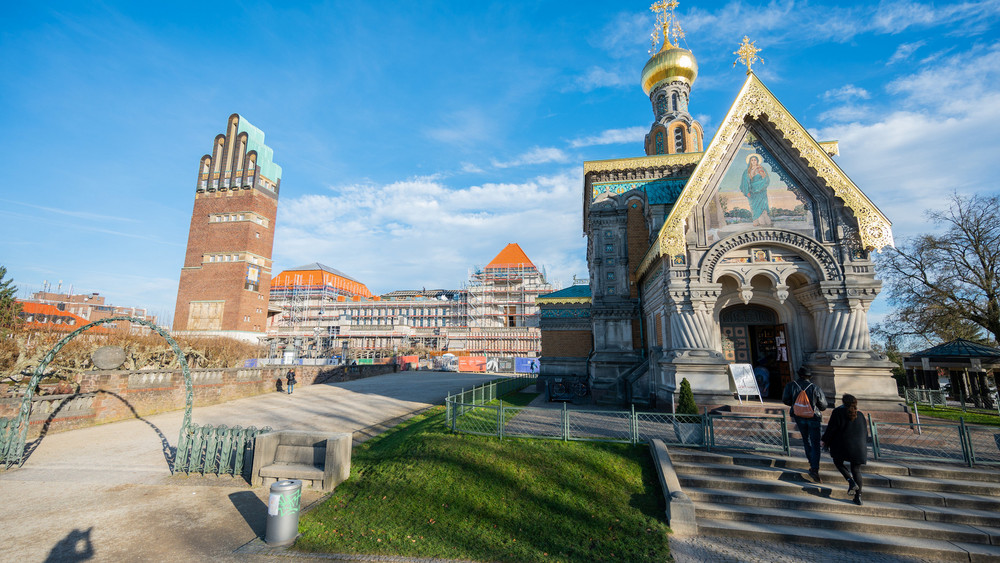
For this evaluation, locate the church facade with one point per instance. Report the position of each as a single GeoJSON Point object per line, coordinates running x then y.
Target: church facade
{"type": "Point", "coordinates": [755, 249]}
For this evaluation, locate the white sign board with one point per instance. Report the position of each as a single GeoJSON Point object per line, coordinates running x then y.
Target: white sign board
{"type": "Point", "coordinates": [744, 381]}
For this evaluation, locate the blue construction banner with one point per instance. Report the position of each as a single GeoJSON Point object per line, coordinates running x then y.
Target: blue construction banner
{"type": "Point", "coordinates": [526, 365]}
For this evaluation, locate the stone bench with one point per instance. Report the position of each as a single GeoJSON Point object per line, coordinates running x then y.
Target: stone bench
{"type": "Point", "coordinates": [319, 460]}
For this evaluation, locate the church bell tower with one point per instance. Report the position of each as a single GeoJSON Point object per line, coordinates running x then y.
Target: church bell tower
{"type": "Point", "coordinates": [667, 79]}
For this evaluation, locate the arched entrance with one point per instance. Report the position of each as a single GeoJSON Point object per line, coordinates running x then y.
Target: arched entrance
{"type": "Point", "coordinates": [13, 452]}
{"type": "Point", "coordinates": [751, 334]}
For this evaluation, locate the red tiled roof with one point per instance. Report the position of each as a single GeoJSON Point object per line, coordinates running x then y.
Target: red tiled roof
{"type": "Point", "coordinates": [54, 318]}
{"type": "Point", "coordinates": [511, 257]}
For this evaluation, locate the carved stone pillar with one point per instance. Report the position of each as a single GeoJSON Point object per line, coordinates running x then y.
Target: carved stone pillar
{"type": "Point", "coordinates": [844, 361]}
{"type": "Point", "coordinates": [694, 343]}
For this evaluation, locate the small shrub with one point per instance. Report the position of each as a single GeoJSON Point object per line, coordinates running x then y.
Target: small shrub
{"type": "Point", "coordinates": [685, 403]}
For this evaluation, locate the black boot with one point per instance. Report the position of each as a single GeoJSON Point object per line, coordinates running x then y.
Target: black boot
{"type": "Point", "coordinates": [857, 498]}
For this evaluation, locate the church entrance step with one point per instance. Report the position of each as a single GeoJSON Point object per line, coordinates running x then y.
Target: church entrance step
{"type": "Point", "coordinates": [940, 512]}
{"type": "Point", "coordinates": [938, 550]}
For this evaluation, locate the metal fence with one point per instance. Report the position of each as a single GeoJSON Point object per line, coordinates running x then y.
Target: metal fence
{"type": "Point", "coordinates": [9, 456]}
{"type": "Point", "coordinates": [932, 397]}
{"type": "Point", "coordinates": [217, 450]}
{"type": "Point", "coordinates": [471, 411]}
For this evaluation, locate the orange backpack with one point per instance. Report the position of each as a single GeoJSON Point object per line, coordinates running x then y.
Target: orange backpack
{"type": "Point", "coordinates": [802, 407]}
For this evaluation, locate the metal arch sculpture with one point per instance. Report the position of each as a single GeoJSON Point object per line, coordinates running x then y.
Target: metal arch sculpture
{"type": "Point", "coordinates": [14, 452]}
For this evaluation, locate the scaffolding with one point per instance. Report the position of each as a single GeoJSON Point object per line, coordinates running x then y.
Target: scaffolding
{"type": "Point", "coordinates": [501, 310]}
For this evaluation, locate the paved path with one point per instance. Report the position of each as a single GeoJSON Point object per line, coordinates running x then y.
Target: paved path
{"type": "Point", "coordinates": [105, 493]}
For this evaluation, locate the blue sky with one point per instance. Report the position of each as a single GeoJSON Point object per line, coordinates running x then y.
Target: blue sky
{"type": "Point", "coordinates": [418, 138]}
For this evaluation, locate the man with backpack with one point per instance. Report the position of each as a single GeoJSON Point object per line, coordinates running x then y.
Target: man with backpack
{"type": "Point", "coordinates": [807, 401]}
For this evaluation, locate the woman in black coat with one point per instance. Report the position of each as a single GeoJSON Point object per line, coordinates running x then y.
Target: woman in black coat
{"type": "Point", "coordinates": [847, 437]}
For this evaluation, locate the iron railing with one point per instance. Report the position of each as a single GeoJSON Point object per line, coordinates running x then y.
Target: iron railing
{"type": "Point", "coordinates": [471, 412]}
{"type": "Point", "coordinates": [217, 450]}
{"type": "Point", "coordinates": [7, 435]}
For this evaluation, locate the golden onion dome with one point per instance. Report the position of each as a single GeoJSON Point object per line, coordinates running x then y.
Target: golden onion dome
{"type": "Point", "coordinates": [668, 65]}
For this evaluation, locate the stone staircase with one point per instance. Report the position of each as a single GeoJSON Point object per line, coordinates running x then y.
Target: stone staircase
{"type": "Point", "coordinates": [940, 512]}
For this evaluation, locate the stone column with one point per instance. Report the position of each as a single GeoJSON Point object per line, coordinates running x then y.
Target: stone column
{"type": "Point", "coordinates": [844, 361]}
{"type": "Point", "coordinates": [694, 342]}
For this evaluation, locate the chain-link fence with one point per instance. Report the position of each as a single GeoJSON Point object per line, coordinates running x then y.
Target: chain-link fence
{"type": "Point", "coordinates": [911, 441]}
{"type": "Point", "coordinates": [469, 411]}
{"type": "Point", "coordinates": [932, 397]}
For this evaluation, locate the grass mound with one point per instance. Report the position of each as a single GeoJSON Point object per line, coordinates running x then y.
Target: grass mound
{"type": "Point", "coordinates": [421, 491]}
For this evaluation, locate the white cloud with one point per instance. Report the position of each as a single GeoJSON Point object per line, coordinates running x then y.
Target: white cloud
{"type": "Point", "coordinates": [912, 159]}
{"type": "Point", "coordinates": [537, 155]}
{"type": "Point", "coordinates": [624, 33]}
{"type": "Point", "coordinates": [421, 233]}
{"type": "Point", "coordinates": [611, 137]}
{"type": "Point", "coordinates": [789, 22]}
{"type": "Point", "coordinates": [597, 77]}
{"type": "Point", "coordinates": [846, 92]}
{"type": "Point", "coordinates": [904, 51]}
{"type": "Point", "coordinates": [470, 168]}
{"type": "Point", "coordinates": [845, 113]}
{"type": "Point", "coordinates": [461, 127]}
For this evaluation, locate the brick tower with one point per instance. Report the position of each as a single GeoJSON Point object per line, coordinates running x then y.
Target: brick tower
{"type": "Point", "coordinates": [226, 276]}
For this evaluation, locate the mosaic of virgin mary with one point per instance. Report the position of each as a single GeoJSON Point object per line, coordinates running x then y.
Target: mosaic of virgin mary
{"type": "Point", "coordinates": [756, 192]}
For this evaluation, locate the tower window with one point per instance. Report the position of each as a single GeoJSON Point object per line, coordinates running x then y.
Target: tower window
{"type": "Point", "coordinates": [673, 101]}
{"type": "Point", "coordinates": [661, 105]}
{"type": "Point", "coordinates": [659, 143]}
{"type": "Point", "coordinates": [679, 139]}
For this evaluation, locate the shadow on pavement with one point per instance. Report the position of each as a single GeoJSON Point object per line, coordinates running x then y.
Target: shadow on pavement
{"type": "Point", "coordinates": [252, 509]}
{"type": "Point", "coordinates": [76, 546]}
{"type": "Point", "coordinates": [169, 452]}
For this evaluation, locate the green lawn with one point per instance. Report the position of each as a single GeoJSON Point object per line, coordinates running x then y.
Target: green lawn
{"type": "Point", "coordinates": [421, 491]}
{"type": "Point", "coordinates": [954, 413]}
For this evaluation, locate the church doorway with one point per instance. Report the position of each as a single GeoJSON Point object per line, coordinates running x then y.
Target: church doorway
{"type": "Point", "coordinates": [751, 334]}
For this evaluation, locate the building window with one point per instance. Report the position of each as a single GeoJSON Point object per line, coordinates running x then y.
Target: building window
{"type": "Point", "coordinates": [679, 139]}
{"type": "Point", "coordinates": [659, 143]}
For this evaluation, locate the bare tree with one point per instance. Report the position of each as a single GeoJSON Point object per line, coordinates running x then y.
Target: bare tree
{"type": "Point", "coordinates": [947, 285]}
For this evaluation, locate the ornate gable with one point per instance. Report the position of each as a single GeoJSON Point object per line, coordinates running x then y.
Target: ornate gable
{"type": "Point", "coordinates": [756, 103]}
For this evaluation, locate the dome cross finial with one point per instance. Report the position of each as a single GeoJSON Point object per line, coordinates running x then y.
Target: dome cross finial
{"type": "Point", "coordinates": [747, 54]}
{"type": "Point", "coordinates": [667, 25]}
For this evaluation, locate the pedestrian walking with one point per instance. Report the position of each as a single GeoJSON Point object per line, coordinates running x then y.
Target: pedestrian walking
{"type": "Point", "coordinates": [807, 401]}
{"type": "Point", "coordinates": [847, 437]}
{"type": "Point", "coordinates": [290, 380]}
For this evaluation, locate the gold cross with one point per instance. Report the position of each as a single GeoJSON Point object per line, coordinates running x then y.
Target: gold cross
{"type": "Point", "coordinates": [664, 20]}
{"type": "Point", "coordinates": [747, 54]}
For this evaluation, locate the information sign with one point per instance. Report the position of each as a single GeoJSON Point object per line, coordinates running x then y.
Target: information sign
{"type": "Point", "coordinates": [744, 381]}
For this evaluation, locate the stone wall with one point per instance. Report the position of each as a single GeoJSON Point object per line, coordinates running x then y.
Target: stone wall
{"type": "Point", "coordinates": [109, 396]}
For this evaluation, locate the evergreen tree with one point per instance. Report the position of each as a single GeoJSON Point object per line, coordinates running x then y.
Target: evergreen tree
{"type": "Point", "coordinates": [686, 404]}
{"type": "Point", "coordinates": [9, 308]}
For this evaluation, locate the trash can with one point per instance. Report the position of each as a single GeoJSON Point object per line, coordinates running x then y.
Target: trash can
{"type": "Point", "coordinates": [283, 512]}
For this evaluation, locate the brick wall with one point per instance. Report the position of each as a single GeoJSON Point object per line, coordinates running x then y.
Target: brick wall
{"type": "Point", "coordinates": [224, 281]}
{"type": "Point", "coordinates": [109, 396]}
{"type": "Point", "coordinates": [567, 343]}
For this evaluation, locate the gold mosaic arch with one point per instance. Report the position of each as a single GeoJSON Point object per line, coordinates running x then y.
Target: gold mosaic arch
{"type": "Point", "coordinates": [754, 100]}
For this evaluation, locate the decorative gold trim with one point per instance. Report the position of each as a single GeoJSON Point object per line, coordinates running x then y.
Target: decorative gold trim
{"type": "Point", "coordinates": [566, 300]}
{"type": "Point", "coordinates": [638, 162]}
{"type": "Point", "coordinates": [755, 100]}
{"type": "Point", "coordinates": [831, 148]}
